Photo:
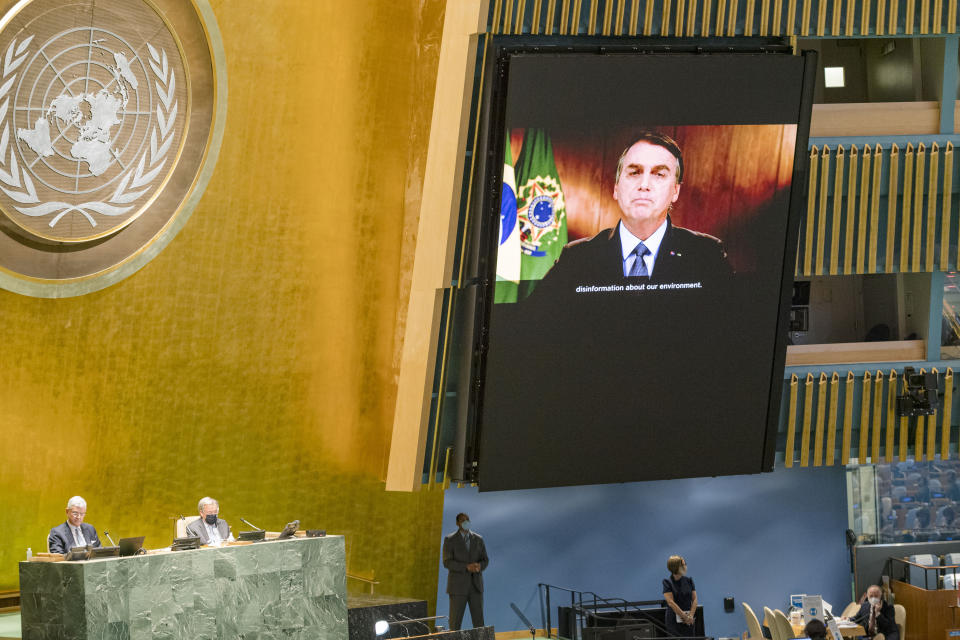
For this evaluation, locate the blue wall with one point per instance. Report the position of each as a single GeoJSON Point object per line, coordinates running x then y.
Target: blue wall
{"type": "Point", "coordinates": [757, 538]}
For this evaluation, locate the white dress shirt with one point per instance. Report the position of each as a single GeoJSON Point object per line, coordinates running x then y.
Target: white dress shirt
{"type": "Point", "coordinates": [213, 534]}
{"type": "Point", "coordinates": [629, 242]}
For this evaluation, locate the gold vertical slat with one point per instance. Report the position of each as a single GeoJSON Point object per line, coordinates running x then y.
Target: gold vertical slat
{"type": "Point", "coordinates": [565, 17]}
{"type": "Point", "coordinates": [945, 223]}
{"type": "Point", "coordinates": [932, 426]}
{"type": "Point", "coordinates": [864, 419]}
{"type": "Point", "coordinates": [839, 161]}
{"type": "Point", "coordinates": [692, 17]}
{"type": "Point", "coordinates": [678, 20]}
{"type": "Point", "coordinates": [791, 423]}
{"type": "Point", "coordinates": [732, 18]}
{"type": "Point", "coordinates": [835, 17]}
{"type": "Point", "coordinates": [521, 10]}
{"type": "Point", "coordinates": [919, 433]}
{"type": "Point", "coordinates": [536, 14]}
{"type": "Point", "coordinates": [952, 17]}
{"type": "Point", "coordinates": [848, 24]}
{"type": "Point", "coordinates": [776, 26]}
{"type": "Point", "coordinates": [891, 413]}
{"type": "Point", "coordinates": [906, 210]}
{"type": "Point", "coordinates": [705, 18]}
{"type": "Point", "coordinates": [807, 418]}
{"type": "Point", "coordinates": [821, 416]}
{"type": "Point", "coordinates": [932, 185]}
{"type": "Point", "coordinates": [764, 17]}
{"type": "Point", "coordinates": [648, 18]}
{"type": "Point", "coordinates": [811, 211]}
{"type": "Point", "coordinates": [864, 209]}
{"type": "Point", "coordinates": [495, 22]}
{"type": "Point", "coordinates": [821, 18]}
{"type": "Point", "coordinates": [892, 205]}
{"type": "Point", "coordinates": [908, 24]}
{"type": "Point", "coordinates": [635, 16]}
{"type": "Point", "coordinates": [792, 15]}
{"type": "Point", "coordinates": [575, 17]}
{"type": "Point", "coordinates": [822, 207]}
{"type": "Point", "coordinates": [877, 417]}
{"type": "Point", "coordinates": [831, 435]}
{"type": "Point", "coordinates": [924, 16]}
{"type": "Point", "coordinates": [904, 445]}
{"type": "Point", "coordinates": [894, 16]}
{"type": "Point", "coordinates": [881, 17]}
{"type": "Point", "coordinates": [748, 18]}
{"type": "Point", "coordinates": [918, 207]}
{"type": "Point", "coordinates": [872, 266]}
{"type": "Point", "coordinates": [851, 210]}
{"type": "Point", "coordinates": [607, 17]}
{"type": "Point", "coordinates": [665, 17]}
{"type": "Point", "coordinates": [947, 413]}
{"type": "Point", "coordinates": [947, 193]}
{"type": "Point", "coordinates": [551, 14]}
{"type": "Point", "coordinates": [592, 18]}
{"type": "Point", "coordinates": [508, 17]}
{"type": "Point", "coordinates": [618, 19]}
{"type": "Point", "coordinates": [864, 18]}
{"type": "Point", "coordinates": [938, 15]}
{"type": "Point", "coordinates": [847, 419]}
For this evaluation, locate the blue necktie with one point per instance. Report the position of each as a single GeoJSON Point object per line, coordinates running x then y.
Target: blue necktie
{"type": "Point", "coordinates": [639, 268]}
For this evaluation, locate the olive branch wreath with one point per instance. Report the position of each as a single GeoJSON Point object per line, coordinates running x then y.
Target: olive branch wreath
{"type": "Point", "coordinates": [17, 184]}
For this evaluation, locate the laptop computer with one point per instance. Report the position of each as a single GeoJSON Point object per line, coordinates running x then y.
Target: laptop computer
{"type": "Point", "coordinates": [130, 546]}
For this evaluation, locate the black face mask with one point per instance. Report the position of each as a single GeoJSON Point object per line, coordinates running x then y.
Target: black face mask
{"type": "Point", "coordinates": [211, 519]}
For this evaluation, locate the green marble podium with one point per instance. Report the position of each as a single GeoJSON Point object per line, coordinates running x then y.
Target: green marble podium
{"type": "Point", "coordinates": [283, 589]}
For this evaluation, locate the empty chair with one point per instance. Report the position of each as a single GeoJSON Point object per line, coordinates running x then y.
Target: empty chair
{"type": "Point", "coordinates": [783, 625]}
{"type": "Point", "coordinates": [851, 610]}
{"type": "Point", "coordinates": [952, 558]}
{"type": "Point", "coordinates": [770, 622]}
{"type": "Point", "coordinates": [911, 521]}
{"type": "Point", "coordinates": [918, 576]}
{"type": "Point", "coordinates": [899, 492]}
{"type": "Point", "coordinates": [950, 581]}
{"type": "Point", "coordinates": [753, 625]}
{"type": "Point", "coordinates": [935, 485]}
{"type": "Point", "coordinates": [900, 617]}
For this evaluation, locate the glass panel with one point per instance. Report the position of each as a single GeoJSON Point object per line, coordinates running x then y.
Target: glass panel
{"type": "Point", "coordinates": [950, 332]}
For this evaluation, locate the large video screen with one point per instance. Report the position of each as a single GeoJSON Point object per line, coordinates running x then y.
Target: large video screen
{"type": "Point", "coordinates": [636, 326]}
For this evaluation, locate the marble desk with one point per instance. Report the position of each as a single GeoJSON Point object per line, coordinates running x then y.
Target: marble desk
{"type": "Point", "coordinates": [283, 589]}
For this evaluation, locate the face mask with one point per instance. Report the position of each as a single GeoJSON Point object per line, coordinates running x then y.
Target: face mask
{"type": "Point", "coordinates": [874, 601]}
{"type": "Point", "coordinates": [465, 525]}
{"type": "Point", "coordinates": [211, 519]}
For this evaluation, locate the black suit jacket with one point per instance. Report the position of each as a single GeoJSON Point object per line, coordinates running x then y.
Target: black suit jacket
{"type": "Point", "coordinates": [886, 619]}
{"type": "Point", "coordinates": [456, 558]}
{"type": "Point", "coordinates": [61, 540]}
{"type": "Point", "coordinates": [684, 256]}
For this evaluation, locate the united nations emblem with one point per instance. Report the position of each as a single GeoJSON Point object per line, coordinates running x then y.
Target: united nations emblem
{"type": "Point", "coordinates": [109, 127]}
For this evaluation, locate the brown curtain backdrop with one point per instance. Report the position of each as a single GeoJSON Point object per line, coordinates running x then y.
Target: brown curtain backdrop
{"type": "Point", "coordinates": [733, 174]}
{"type": "Point", "coordinates": [254, 359]}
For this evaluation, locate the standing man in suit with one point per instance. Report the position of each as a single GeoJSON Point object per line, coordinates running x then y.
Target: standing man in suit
{"type": "Point", "coordinates": [877, 616]}
{"type": "Point", "coordinates": [465, 558]}
{"type": "Point", "coordinates": [645, 246]}
{"type": "Point", "coordinates": [74, 532]}
{"type": "Point", "coordinates": [210, 528]}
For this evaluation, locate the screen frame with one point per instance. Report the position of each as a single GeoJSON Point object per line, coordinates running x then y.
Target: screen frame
{"type": "Point", "coordinates": [489, 176]}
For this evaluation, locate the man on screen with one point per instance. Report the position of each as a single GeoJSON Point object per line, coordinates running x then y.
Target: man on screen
{"type": "Point", "coordinates": [645, 246]}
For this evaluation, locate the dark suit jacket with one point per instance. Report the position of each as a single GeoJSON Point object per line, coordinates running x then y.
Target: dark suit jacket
{"type": "Point", "coordinates": [198, 529]}
{"type": "Point", "coordinates": [684, 256]}
{"type": "Point", "coordinates": [61, 540]}
{"type": "Point", "coordinates": [886, 619]}
{"type": "Point", "coordinates": [456, 558]}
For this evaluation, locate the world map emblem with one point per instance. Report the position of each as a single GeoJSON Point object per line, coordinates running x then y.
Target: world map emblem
{"type": "Point", "coordinates": [106, 121]}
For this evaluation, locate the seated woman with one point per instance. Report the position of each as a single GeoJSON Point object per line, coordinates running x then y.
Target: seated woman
{"type": "Point", "coordinates": [815, 630]}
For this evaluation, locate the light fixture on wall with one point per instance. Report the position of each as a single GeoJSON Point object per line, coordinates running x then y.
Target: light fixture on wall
{"type": "Point", "coordinates": [833, 77]}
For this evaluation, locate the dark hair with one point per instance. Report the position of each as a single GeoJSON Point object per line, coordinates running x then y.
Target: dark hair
{"type": "Point", "coordinates": [660, 140]}
{"type": "Point", "coordinates": [815, 629]}
{"type": "Point", "coordinates": [461, 517]}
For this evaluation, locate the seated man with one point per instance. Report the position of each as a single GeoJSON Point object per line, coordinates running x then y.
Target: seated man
{"type": "Point", "coordinates": [210, 528]}
{"type": "Point", "coordinates": [74, 532]}
{"type": "Point", "coordinates": [877, 617]}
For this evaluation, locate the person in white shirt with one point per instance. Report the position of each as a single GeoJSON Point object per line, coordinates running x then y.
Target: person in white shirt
{"type": "Point", "coordinates": [74, 532]}
{"type": "Point", "coordinates": [210, 528]}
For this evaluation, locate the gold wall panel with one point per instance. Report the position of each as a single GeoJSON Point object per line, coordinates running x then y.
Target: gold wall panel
{"type": "Point", "coordinates": [254, 359]}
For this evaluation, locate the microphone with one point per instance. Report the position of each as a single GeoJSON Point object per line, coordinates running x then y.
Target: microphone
{"type": "Point", "coordinates": [289, 530]}
{"type": "Point", "coordinates": [250, 524]}
{"type": "Point", "coordinates": [107, 533]}
{"type": "Point", "coordinates": [406, 632]}
{"type": "Point", "coordinates": [408, 619]}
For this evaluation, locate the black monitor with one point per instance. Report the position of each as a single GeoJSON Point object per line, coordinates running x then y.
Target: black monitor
{"type": "Point", "coordinates": [131, 546]}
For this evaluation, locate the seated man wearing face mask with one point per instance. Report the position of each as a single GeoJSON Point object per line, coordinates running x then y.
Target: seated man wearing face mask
{"type": "Point", "coordinates": [877, 616]}
{"type": "Point", "coordinates": [209, 528]}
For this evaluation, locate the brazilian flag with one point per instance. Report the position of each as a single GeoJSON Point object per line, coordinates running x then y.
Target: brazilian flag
{"type": "Point", "coordinates": [508, 254]}
{"type": "Point", "coordinates": [541, 209]}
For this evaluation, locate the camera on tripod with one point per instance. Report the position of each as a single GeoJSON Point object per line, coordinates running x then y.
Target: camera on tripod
{"type": "Point", "coordinates": [919, 397]}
